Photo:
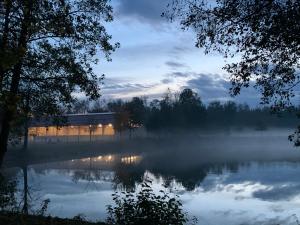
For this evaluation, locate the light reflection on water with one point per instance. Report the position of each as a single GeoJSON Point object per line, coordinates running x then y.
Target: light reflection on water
{"type": "Point", "coordinates": [227, 193]}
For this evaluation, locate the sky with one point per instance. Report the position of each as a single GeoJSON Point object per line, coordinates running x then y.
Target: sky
{"type": "Point", "coordinates": [156, 55]}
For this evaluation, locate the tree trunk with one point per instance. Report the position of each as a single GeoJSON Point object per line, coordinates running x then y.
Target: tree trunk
{"type": "Point", "coordinates": [4, 136]}
{"type": "Point", "coordinates": [25, 143]}
{"type": "Point", "coordinates": [26, 124]}
{"type": "Point", "coordinates": [9, 111]}
{"type": "Point", "coordinates": [4, 40]}
{"type": "Point", "coordinates": [11, 101]}
{"type": "Point", "coordinates": [25, 194]}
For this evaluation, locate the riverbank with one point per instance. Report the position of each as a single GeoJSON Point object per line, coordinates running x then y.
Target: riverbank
{"type": "Point", "coordinates": [21, 219]}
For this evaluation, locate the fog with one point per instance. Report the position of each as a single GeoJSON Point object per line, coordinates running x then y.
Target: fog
{"type": "Point", "coordinates": [256, 171]}
{"type": "Point", "coordinates": [187, 147]}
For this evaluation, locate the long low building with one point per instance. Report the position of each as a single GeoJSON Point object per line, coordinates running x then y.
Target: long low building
{"type": "Point", "coordinates": [74, 125]}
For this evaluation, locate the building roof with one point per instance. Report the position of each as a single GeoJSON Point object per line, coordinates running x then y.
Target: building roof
{"type": "Point", "coordinates": [75, 120]}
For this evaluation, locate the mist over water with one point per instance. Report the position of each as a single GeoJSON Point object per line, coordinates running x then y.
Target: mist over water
{"type": "Point", "coordinates": [237, 177]}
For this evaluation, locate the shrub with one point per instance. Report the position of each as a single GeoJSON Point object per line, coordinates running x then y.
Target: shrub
{"type": "Point", "coordinates": [7, 194]}
{"type": "Point", "coordinates": [146, 208]}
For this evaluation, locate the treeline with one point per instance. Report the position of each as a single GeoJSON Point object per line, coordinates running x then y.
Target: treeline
{"type": "Point", "coordinates": [185, 110]}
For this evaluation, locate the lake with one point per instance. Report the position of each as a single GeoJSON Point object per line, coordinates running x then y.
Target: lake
{"type": "Point", "coordinates": [259, 186]}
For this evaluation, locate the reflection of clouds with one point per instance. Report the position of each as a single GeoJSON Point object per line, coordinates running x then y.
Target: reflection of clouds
{"type": "Point", "coordinates": [281, 192]}
{"type": "Point", "coordinates": [257, 194]}
{"type": "Point", "coordinates": [251, 194]}
{"type": "Point", "coordinates": [59, 183]}
{"type": "Point", "coordinates": [272, 182]}
{"type": "Point", "coordinates": [286, 220]}
{"type": "Point", "coordinates": [277, 208]}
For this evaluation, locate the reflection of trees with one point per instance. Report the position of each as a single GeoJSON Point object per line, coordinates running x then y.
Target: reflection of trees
{"type": "Point", "coordinates": [190, 173]}
{"type": "Point", "coordinates": [190, 176]}
{"type": "Point", "coordinates": [30, 196]}
{"type": "Point", "coordinates": [8, 191]}
{"type": "Point", "coordinates": [126, 176]}
{"type": "Point", "coordinates": [25, 190]}
{"type": "Point", "coordinates": [124, 172]}
{"type": "Point", "coordinates": [91, 175]}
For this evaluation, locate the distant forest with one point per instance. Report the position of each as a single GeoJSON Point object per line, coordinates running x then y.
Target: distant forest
{"type": "Point", "coordinates": [185, 110]}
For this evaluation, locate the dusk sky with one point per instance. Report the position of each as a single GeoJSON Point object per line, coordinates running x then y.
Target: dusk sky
{"type": "Point", "coordinates": [156, 55]}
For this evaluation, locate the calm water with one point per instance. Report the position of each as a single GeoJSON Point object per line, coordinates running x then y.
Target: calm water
{"type": "Point", "coordinates": [216, 193]}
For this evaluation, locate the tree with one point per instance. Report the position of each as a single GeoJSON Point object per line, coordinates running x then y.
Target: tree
{"type": "Point", "coordinates": [121, 115]}
{"type": "Point", "coordinates": [215, 113]}
{"type": "Point", "coordinates": [136, 110]}
{"type": "Point", "coordinates": [98, 106]}
{"type": "Point", "coordinates": [80, 106]}
{"type": "Point", "coordinates": [190, 109]}
{"type": "Point", "coordinates": [263, 35]}
{"type": "Point", "coordinates": [49, 47]}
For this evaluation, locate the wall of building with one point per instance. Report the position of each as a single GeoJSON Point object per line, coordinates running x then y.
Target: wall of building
{"type": "Point", "coordinates": [71, 131]}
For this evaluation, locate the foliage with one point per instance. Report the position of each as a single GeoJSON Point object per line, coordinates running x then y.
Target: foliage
{"type": "Point", "coordinates": [146, 207]}
{"type": "Point", "coordinates": [136, 110]}
{"type": "Point", "coordinates": [7, 194]}
{"type": "Point", "coordinates": [47, 53]}
{"type": "Point", "coordinates": [184, 111]}
{"type": "Point", "coordinates": [170, 113]}
{"type": "Point", "coordinates": [263, 34]}
{"type": "Point", "coordinates": [43, 209]}
{"type": "Point", "coordinates": [121, 115]}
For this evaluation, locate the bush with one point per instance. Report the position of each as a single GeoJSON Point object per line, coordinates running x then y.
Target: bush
{"type": "Point", "coordinates": [7, 194]}
{"type": "Point", "coordinates": [146, 208]}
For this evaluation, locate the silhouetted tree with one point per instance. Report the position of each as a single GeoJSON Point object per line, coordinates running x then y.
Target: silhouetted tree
{"type": "Point", "coordinates": [59, 39]}
{"type": "Point", "coordinates": [136, 109]}
{"type": "Point", "coordinates": [187, 111]}
{"type": "Point", "coordinates": [264, 33]}
{"type": "Point", "coordinates": [190, 108]}
{"type": "Point", "coordinates": [98, 106]}
{"type": "Point", "coordinates": [121, 115]}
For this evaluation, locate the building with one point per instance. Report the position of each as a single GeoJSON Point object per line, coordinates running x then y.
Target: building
{"type": "Point", "coordinates": [77, 126]}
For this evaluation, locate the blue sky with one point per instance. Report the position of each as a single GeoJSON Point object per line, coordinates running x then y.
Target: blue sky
{"type": "Point", "coordinates": [156, 55]}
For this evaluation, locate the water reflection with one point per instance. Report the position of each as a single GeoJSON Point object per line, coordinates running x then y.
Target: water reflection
{"type": "Point", "coordinates": [216, 192]}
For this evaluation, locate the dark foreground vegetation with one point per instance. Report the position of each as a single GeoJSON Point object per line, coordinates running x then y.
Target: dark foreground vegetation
{"type": "Point", "coordinates": [22, 219]}
{"type": "Point", "coordinates": [145, 207]}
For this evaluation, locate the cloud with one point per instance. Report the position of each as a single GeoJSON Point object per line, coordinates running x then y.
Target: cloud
{"type": "Point", "coordinates": [210, 87]}
{"type": "Point", "coordinates": [167, 81]}
{"type": "Point", "coordinates": [143, 10]}
{"type": "Point", "coordinates": [126, 88]}
{"type": "Point", "coordinates": [213, 87]}
{"type": "Point", "coordinates": [180, 74]}
{"type": "Point", "coordinates": [175, 65]}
